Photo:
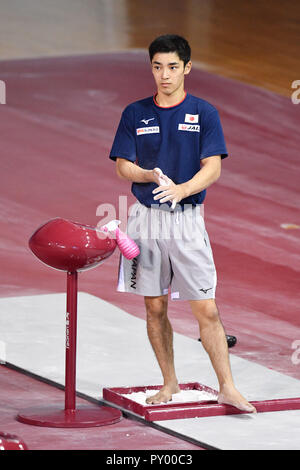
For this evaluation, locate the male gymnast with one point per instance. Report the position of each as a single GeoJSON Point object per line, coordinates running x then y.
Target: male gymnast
{"type": "Point", "coordinates": [170, 147]}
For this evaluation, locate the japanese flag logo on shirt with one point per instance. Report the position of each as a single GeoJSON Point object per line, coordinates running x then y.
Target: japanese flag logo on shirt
{"type": "Point", "coordinates": [194, 118]}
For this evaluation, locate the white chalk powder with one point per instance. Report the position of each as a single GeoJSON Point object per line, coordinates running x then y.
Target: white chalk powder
{"type": "Point", "coordinates": [182, 397]}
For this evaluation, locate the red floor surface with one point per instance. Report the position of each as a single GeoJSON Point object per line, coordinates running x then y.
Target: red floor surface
{"type": "Point", "coordinates": [18, 392]}
{"type": "Point", "coordinates": [56, 132]}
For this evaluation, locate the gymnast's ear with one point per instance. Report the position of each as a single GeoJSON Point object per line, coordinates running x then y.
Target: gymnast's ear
{"type": "Point", "coordinates": [188, 68]}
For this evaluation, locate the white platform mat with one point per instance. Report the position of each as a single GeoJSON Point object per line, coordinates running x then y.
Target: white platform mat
{"type": "Point", "coordinates": [113, 351]}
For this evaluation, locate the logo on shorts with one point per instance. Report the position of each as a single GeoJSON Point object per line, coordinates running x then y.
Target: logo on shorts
{"type": "Point", "coordinates": [205, 290]}
{"type": "Point", "coordinates": [133, 273]}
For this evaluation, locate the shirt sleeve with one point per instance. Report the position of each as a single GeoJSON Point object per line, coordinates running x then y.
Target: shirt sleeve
{"type": "Point", "coordinates": [212, 137]}
{"type": "Point", "coordinates": [124, 145]}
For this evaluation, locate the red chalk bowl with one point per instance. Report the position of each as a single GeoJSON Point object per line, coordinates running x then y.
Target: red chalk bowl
{"type": "Point", "coordinates": [70, 246]}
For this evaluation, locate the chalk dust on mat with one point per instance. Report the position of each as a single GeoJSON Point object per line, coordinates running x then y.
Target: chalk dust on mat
{"type": "Point", "coordinates": [182, 397]}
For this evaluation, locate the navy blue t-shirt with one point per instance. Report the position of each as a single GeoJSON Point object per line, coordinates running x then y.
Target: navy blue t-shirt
{"type": "Point", "coordinates": [174, 139]}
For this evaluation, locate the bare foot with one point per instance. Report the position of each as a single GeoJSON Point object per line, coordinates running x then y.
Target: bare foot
{"type": "Point", "coordinates": [230, 396]}
{"type": "Point", "coordinates": [164, 395]}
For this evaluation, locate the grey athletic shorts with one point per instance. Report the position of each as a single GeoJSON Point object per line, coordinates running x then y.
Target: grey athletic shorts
{"type": "Point", "coordinates": [175, 253]}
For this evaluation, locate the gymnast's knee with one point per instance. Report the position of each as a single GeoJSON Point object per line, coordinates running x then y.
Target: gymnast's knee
{"type": "Point", "coordinates": [205, 311]}
{"type": "Point", "coordinates": [156, 307]}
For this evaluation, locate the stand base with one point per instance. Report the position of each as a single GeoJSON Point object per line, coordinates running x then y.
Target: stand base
{"type": "Point", "coordinates": [84, 416]}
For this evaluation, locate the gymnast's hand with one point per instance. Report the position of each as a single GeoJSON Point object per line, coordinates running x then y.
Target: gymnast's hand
{"type": "Point", "coordinates": [167, 189]}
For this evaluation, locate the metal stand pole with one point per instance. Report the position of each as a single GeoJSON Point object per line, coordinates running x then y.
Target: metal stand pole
{"type": "Point", "coordinates": [71, 340]}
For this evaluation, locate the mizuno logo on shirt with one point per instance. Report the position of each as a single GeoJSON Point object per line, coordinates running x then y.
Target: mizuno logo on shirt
{"type": "Point", "coordinates": [148, 130]}
{"type": "Point", "coordinates": [146, 121]}
{"type": "Point", "coordinates": [189, 127]}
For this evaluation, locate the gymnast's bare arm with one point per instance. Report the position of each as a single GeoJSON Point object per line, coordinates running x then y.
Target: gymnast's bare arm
{"type": "Point", "coordinates": [127, 170]}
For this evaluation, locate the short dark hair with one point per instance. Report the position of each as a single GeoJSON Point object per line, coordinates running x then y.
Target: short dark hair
{"type": "Point", "coordinates": [171, 43]}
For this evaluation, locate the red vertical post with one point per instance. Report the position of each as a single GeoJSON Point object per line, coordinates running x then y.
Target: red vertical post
{"type": "Point", "coordinates": [71, 340]}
